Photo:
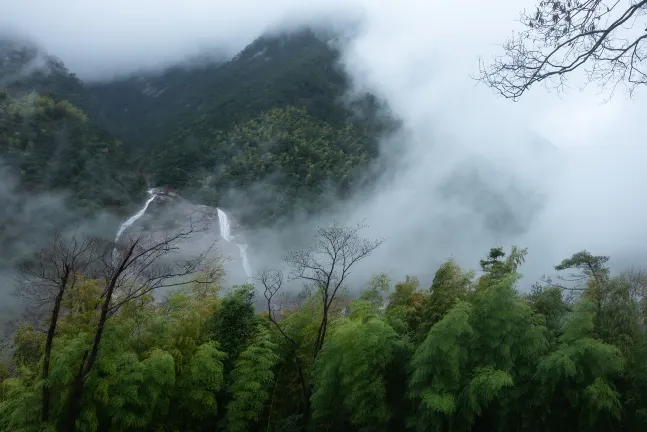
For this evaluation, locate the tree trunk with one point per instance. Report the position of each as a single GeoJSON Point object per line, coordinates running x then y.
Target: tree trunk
{"type": "Point", "coordinates": [304, 388]}
{"type": "Point", "coordinates": [321, 332]}
{"type": "Point", "coordinates": [86, 366]}
{"type": "Point", "coordinates": [49, 342]}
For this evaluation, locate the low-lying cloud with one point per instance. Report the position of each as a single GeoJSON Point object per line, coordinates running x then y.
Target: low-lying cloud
{"type": "Point", "coordinates": [417, 56]}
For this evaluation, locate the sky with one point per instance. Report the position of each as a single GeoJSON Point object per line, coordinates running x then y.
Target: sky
{"type": "Point", "coordinates": [418, 55]}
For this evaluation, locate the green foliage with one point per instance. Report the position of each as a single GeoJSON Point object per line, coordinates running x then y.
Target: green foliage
{"type": "Point", "coordinates": [200, 381]}
{"type": "Point", "coordinates": [586, 262]}
{"type": "Point", "coordinates": [29, 345]}
{"type": "Point", "coordinates": [619, 318]}
{"type": "Point", "coordinates": [549, 304]}
{"type": "Point", "coordinates": [474, 367]}
{"type": "Point", "coordinates": [459, 355]}
{"type": "Point", "coordinates": [578, 374]}
{"type": "Point", "coordinates": [52, 146]}
{"type": "Point", "coordinates": [350, 379]}
{"type": "Point", "coordinates": [437, 367]}
{"type": "Point", "coordinates": [20, 402]}
{"type": "Point", "coordinates": [450, 285]}
{"type": "Point", "coordinates": [235, 322]}
{"type": "Point", "coordinates": [305, 162]}
{"type": "Point", "coordinates": [378, 286]}
{"type": "Point", "coordinates": [405, 305]}
{"type": "Point", "coordinates": [497, 266]}
{"type": "Point", "coordinates": [252, 382]}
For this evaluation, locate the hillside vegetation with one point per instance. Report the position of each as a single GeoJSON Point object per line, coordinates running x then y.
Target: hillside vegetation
{"type": "Point", "coordinates": [466, 353]}
{"type": "Point", "coordinates": [53, 146]}
{"type": "Point", "coordinates": [272, 115]}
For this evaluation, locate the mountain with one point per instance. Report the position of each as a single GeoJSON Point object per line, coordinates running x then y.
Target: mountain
{"type": "Point", "coordinates": [296, 69]}
{"type": "Point", "coordinates": [267, 134]}
{"type": "Point", "coordinates": [51, 134]}
{"type": "Point", "coordinates": [27, 68]}
{"type": "Point", "coordinates": [52, 145]}
{"type": "Point", "coordinates": [268, 128]}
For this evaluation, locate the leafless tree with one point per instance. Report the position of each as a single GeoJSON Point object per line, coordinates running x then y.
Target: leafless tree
{"type": "Point", "coordinates": [44, 281]}
{"type": "Point", "coordinates": [326, 265]}
{"type": "Point", "coordinates": [605, 38]}
{"type": "Point", "coordinates": [637, 279]}
{"type": "Point", "coordinates": [272, 281]}
{"type": "Point", "coordinates": [133, 271]}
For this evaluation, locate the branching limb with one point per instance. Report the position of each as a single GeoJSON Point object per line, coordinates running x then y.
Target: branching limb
{"type": "Point", "coordinates": [607, 39]}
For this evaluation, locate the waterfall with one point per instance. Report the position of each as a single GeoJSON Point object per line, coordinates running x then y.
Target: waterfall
{"type": "Point", "coordinates": [225, 228]}
{"type": "Point", "coordinates": [243, 256]}
{"type": "Point", "coordinates": [225, 233]}
{"type": "Point", "coordinates": [124, 226]}
{"type": "Point", "coordinates": [223, 222]}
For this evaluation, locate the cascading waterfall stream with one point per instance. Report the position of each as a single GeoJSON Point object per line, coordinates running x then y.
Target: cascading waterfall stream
{"type": "Point", "coordinates": [223, 221]}
{"type": "Point", "coordinates": [243, 256]}
{"type": "Point", "coordinates": [124, 226]}
{"type": "Point", "coordinates": [225, 233]}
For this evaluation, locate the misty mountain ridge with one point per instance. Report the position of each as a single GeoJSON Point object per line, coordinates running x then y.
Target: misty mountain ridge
{"type": "Point", "coordinates": [266, 134]}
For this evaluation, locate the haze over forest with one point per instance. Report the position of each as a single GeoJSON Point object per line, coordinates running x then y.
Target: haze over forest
{"type": "Point", "coordinates": [396, 53]}
{"type": "Point", "coordinates": [206, 144]}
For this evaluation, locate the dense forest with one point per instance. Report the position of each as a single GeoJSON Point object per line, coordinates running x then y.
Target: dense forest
{"type": "Point", "coordinates": [273, 116]}
{"type": "Point", "coordinates": [128, 337]}
{"type": "Point", "coordinates": [52, 145]}
{"type": "Point", "coordinates": [470, 352]}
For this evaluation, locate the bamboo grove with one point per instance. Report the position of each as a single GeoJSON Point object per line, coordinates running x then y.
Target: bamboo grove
{"type": "Point", "coordinates": [476, 350]}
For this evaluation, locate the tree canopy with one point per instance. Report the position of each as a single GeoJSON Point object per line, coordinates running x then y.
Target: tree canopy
{"type": "Point", "coordinates": [469, 352]}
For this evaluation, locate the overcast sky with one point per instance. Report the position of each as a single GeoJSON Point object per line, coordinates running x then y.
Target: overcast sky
{"type": "Point", "coordinates": [418, 55]}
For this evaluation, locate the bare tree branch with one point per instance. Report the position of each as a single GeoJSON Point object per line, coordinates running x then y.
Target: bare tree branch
{"type": "Point", "coordinates": [605, 38]}
{"type": "Point", "coordinates": [327, 264]}
{"type": "Point", "coordinates": [272, 281]}
{"type": "Point", "coordinates": [44, 281]}
{"type": "Point", "coordinates": [135, 270]}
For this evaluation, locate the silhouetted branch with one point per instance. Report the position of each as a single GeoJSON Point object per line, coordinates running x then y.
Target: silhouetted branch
{"type": "Point", "coordinates": [133, 271]}
{"type": "Point", "coordinates": [327, 265]}
{"type": "Point", "coordinates": [272, 281]}
{"type": "Point", "coordinates": [44, 281]}
{"type": "Point", "coordinates": [606, 38]}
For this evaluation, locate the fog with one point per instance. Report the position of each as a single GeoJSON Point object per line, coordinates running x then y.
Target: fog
{"type": "Point", "coordinates": [418, 56]}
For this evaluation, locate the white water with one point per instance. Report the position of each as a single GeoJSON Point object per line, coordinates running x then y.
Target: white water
{"type": "Point", "coordinates": [225, 233]}
{"type": "Point", "coordinates": [223, 222]}
{"type": "Point", "coordinates": [243, 256]}
{"type": "Point", "coordinates": [124, 226]}
{"type": "Point", "coordinates": [225, 228]}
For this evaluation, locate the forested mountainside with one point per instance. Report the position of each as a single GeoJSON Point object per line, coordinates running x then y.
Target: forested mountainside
{"type": "Point", "coordinates": [271, 116]}
{"type": "Point", "coordinates": [126, 336]}
{"type": "Point", "coordinates": [50, 133]}
{"type": "Point", "coordinates": [264, 134]}
{"type": "Point", "coordinates": [297, 69]}
{"type": "Point", "coordinates": [52, 145]}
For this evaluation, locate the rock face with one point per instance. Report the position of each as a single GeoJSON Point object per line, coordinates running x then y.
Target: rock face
{"type": "Point", "coordinates": [166, 211]}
